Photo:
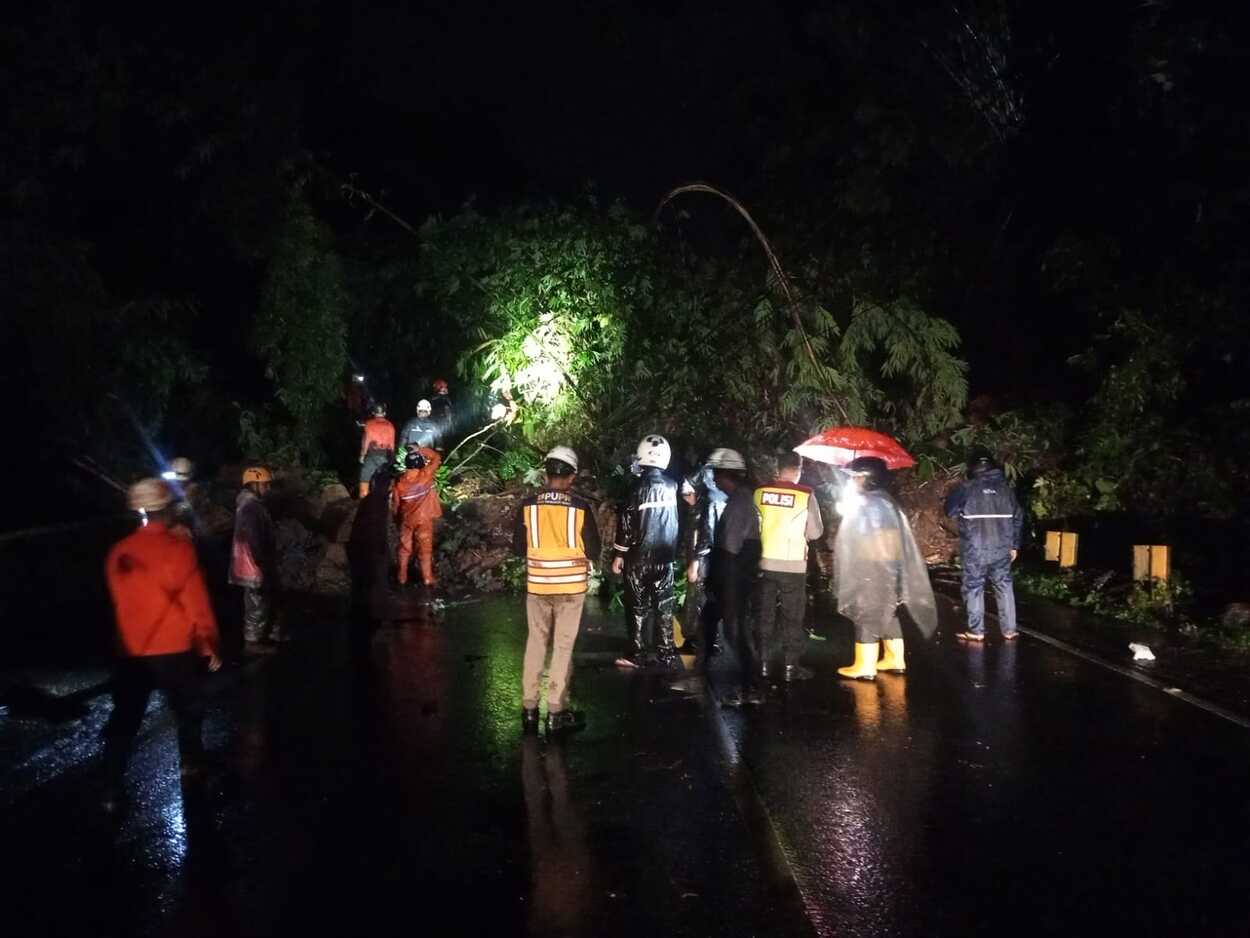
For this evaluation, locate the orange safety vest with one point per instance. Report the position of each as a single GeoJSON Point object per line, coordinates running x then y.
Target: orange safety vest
{"type": "Point", "coordinates": [555, 549]}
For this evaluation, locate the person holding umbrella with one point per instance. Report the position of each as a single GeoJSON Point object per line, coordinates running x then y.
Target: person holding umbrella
{"type": "Point", "coordinates": [878, 569]}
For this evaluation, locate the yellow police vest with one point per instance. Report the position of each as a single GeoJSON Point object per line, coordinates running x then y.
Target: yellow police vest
{"type": "Point", "coordinates": [555, 554]}
{"type": "Point", "coordinates": [783, 522]}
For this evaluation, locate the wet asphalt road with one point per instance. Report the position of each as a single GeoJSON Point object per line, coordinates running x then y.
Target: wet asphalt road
{"type": "Point", "coordinates": [1001, 789]}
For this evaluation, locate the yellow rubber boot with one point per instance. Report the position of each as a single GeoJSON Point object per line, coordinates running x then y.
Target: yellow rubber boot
{"type": "Point", "coordinates": [892, 660]}
{"type": "Point", "coordinates": [865, 666]}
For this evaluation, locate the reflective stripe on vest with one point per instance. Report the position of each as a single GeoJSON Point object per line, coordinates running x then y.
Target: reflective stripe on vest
{"type": "Point", "coordinates": [783, 522]}
{"type": "Point", "coordinates": [556, 561]}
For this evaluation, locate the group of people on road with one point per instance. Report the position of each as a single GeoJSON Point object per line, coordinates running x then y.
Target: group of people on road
{"type": "Point", "coordinates": [167, 633]}
{"type": "Point", "coordinates": [746, 552]}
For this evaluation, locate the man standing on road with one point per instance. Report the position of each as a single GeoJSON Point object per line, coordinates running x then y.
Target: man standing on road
{"type": "Point", "coordinates": [646, 546]}
{"type": "Point", "coordinates": [556, 533]}
{"type": "Point", "coordinates": [734, 569]}
{"type": "Point", "coordinates": [789, 518]}
{"type": "Point", "coordinates": [701, 616]}
{"type": "Point", "coordinates": [165, 625]}
{"type": "Point", "coordinates": [990, 524]}
{"type": "Point", "coordinates": [254, 561]}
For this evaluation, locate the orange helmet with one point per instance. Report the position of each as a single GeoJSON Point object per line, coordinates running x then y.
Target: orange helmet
{"type": "Point", "coordinates": [256, 474]}
{"type": "Point", "coordinates": [440, 386]}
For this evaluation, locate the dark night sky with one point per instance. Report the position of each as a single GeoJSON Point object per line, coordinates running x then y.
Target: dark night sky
{"type": "Point", "coordinates": [430, 103]}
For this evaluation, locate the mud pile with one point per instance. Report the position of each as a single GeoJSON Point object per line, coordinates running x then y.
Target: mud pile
{"type": "Point", "coordinates": [936, 535]}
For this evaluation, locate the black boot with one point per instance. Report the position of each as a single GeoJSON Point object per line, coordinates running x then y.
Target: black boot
{"type": "Point", "coordinates": [565, 721]}
{"type": "Point", "coordinates": [529, 720]}
{"type": "Point", "coordinates": [796, 672]}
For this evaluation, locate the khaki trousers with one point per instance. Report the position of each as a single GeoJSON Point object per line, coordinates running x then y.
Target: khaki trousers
{"type": "Point", "coordinates": [553, 620]}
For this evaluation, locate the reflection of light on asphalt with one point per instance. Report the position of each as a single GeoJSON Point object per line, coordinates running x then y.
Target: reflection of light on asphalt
{"type": "Point", "coordinates": [850, 831]}
{"type": "Point", "coordinates": [171, 838]}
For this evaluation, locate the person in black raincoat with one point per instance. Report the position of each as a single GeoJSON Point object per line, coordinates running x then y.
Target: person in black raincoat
{"type": "Point", "coordinates": [878, 570]}
{"type": "Point", "coordinates": [990, 523]}
{"type": "Point", "coordinates": [645, 548]}
{"type": "Point", "coordinates": [701, 617]}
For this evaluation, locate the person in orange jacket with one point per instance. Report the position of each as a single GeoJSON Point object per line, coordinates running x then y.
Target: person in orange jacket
{"type": "Point", "coordinates": [165, 626]}
{"type": "Point", "coordinates": [377, 446]}
{"type": "Point", "coordinates": [415, 503]}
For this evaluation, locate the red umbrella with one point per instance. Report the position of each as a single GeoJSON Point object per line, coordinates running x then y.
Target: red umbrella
{"type": "Point", "coordinates": [839, 445]}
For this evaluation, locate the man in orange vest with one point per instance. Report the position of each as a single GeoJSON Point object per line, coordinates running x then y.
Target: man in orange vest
{"type": "Point", "coordinates": [165, 625]}
{"type": "Point", "coordinates": [377, 446]}
{"type": "Point", "coordinates": [557, 535]}
{"type": "Point", "coordinates": [414, 500]}
{"type": "Point", "coordinates": [789, 518]}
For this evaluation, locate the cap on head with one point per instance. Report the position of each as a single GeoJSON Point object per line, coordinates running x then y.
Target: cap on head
{"type": "Point", "coordinates": [256, 474]}
{"type": "Point", "coordinates": [423, 406]}
{"type": "Point", "coordinates": [440, 386]}
{"type": "Point", "coordinates": [653, 450]}
{"type": "Point", "coordinates": [980, 458]}
{"type": "Point", "coordinates": [149, 495]}
{"type": "Point", "coordinates": [723, 458]}
{"type": "Point", "coordinates": [563, 455]}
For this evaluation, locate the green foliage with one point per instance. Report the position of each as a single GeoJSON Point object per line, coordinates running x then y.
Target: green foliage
{"type": "Point", "coordinates": [300, 331]}
{"type": "Point", "coordinates": [265, 437]}
{"type": "Point", "coordinates": [515, 462]}
{"type": "Point", "coordinates": [1156, 605]}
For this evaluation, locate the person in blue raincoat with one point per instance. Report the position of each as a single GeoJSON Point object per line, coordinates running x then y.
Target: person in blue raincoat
{"type": "Point", "coordinates": [990, 523]}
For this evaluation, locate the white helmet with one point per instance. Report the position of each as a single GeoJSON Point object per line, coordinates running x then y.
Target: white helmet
{"type": "Point", "coordinates": [180, 470]}
{"type": "Point", "coordinates": [565, 454]}
{"type": "Point", "coordinates": [653, 450]}
{"type": "Point", "coordinates": [722, 458]}
{"type": "Point", "coordinates": [423, 406]}
{"type": "Point", "coordinates": [149, 495]}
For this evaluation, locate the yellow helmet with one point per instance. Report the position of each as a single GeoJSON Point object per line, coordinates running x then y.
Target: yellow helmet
{"type": "Point", "coordinates": [256, 474]}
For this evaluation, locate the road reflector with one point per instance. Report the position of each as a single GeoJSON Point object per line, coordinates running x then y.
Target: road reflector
{"type": "Point", "coordinates": [1152, 562]}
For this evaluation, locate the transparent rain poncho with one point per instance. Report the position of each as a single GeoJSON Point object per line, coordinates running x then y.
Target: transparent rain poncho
{"type": "Point", "coordinates": [877, 565]}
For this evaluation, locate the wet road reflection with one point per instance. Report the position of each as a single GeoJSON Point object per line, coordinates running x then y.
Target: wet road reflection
{"type": "Point", "coordinates": [561, 864]}
{"type": "Point", "coordinates": [1004, 787]}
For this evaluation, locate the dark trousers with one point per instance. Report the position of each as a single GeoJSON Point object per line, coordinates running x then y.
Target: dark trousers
{"type": "Point", "coordinates": [649, 598]}
{"type": "Point", "coordinates": [180, 678]}
{"type": "Point", "coordinates": [258, 615]}
{"type": "Point", "coordinates": [979, 565]}
{"type": "Point", "coordinates": [701, 617]}
{"type": "Point", "coordinates": [733, 576]}
{"type": "Point", "coordinates": [782, 603]}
